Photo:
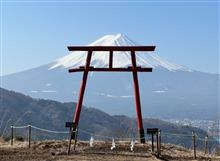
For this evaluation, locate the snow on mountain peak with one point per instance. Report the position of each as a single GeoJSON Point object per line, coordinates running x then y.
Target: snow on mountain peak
{"type": "Point", "coordinates": [113, 40]}
{"type": "Point", "coordinates": [120, 59]}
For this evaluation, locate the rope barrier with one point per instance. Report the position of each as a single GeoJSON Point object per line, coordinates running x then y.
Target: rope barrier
{"type": "Point", "coordinates": [51, 131]}
{"type": "Point", "coordinates": [41, 129]}
{"type": "Point", "coordinates": [83, 131]}
{"type": "Point", "coordinates": [19, 127]}
{"type": "Point", "coordinates": [209, 138]}
{"type": "Point", "coordinates": [110, 137]}
{"type": "Point", "coordinates": [175, 134]}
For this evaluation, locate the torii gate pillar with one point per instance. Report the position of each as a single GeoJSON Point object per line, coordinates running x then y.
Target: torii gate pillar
{"type": "Point", "coordinates": [82, 89]}
{"type": "Point", "coordinates": [137, 98]}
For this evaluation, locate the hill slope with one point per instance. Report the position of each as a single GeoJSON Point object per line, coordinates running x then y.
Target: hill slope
{"type": "Point", "coordinates": [17, 109]}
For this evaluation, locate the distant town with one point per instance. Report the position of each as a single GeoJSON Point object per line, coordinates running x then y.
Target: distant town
{"type": "Point", "coordinates": [211, 126]}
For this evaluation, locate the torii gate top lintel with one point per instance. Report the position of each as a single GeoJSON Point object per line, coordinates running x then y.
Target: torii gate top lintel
{"type": "Point", "coordinates": [111, 49]}
{"type": "Point", "coordinates": [134, 69]}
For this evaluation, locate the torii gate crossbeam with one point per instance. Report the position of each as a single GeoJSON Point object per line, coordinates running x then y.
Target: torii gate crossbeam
{"type": "Point", "coordinates": [134, 69]}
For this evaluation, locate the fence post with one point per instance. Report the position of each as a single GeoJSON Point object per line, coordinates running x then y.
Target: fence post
{"type": "Point", "coordinates": [12, 135]}
{"type": "Point", "coordinates": [76, 135]}
{"type": "Point", "coordinates": [158, 151]}
{"type": "Point", "coordinates": [206, 144]}
{"type": "Point", "coordinates": [152, 141]}
{"type": "Point", "coordinates": [194, 143]}
{"type": "Point", "coordinates": [159, 142]}
{"type": "Point", "coordinates": [70, 139]}
{"type": "Point", "coordinates": [29, 136]}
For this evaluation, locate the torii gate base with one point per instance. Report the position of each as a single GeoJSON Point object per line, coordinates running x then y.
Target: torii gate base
{"type": "Point", "coordinates": [134, 69]}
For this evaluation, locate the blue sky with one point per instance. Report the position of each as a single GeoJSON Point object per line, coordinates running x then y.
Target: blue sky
{"type": "Point", "coordinates": [35, 33]}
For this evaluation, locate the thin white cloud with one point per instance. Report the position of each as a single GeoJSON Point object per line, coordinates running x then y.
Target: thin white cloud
{"type": "Point", "coordinates": [159, 91]}
{"type": "Point", "coordinates": [113, 96]}
{"type": "Point", "coordinates": [48, 91]}
{"type": "Point", "coordinates": [43, 91]}
{"type": "Point", "coordinates": [127, 96]}
{"type": "Point", "coordinates": [48, 84]}
{"type": "Point", "coordinates": [34, 91]}
{"type": "Point", "coordinates": [109, 95]}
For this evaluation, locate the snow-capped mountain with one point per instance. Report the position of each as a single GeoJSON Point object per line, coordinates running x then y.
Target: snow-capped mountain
{"type": "Point", "coordinates": [170, 91]}
{"type": "Point", "coordinates": [120, 59]}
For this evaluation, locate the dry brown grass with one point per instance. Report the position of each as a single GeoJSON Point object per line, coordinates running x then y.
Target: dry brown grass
{"type": "Point", "coordinates": [56, 151]}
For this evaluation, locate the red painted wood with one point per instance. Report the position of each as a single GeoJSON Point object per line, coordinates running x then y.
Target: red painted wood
{"type": "Point", "coordinates": [82, 89]}
{"type": "Point", "coordinates": [137, 95]}
{"type": "Point", "coordinates": [111, 59]}
{"type": "Point", "coordinates": [92, 69]}
{"type": "Point", "coordinates": [111, 48]}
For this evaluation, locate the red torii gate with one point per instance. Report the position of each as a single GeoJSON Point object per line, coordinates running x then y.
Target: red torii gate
{"type": "Point", "coordinates": [134, 69]}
